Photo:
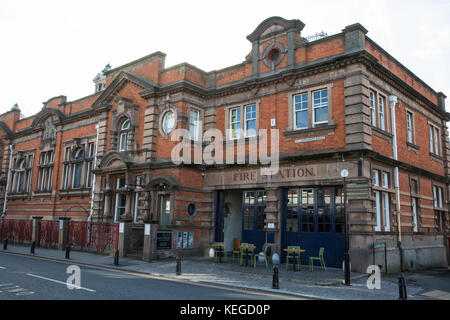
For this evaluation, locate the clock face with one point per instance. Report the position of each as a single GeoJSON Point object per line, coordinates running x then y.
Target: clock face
{"type": "Point", "coordinates": [168, 122]}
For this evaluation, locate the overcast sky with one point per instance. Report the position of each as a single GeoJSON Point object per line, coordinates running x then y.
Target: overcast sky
{"type": "Point", "coordinates": [52, 48]}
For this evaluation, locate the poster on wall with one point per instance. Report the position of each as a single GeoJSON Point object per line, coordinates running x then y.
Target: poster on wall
{"type": "Point", "coordinates": [185, 240]}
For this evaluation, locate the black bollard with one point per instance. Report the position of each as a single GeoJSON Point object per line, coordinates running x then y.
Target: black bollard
{"type": "Point", "coordinates": [5, 244]}
{"type": "Point", "coordinates": [275, 280]}
{"type": "Point", "coordinates": [178, 259]}
{"type": "Point", "coordinates": [116, 258]}
{"type": "Point", "coordinates": [402, 288]}
{"type": "Point", "coordinates": [33, 246]}
{"type": "Point", "coordinates": [68, 251]}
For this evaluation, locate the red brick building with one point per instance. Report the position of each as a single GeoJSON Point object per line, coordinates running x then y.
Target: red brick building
{"type": "Point", "coordinates": [338, 102]}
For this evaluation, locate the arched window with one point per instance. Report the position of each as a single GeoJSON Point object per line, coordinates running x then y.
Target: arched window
{"type": "Point", "coordinates": [77, 168]}
{"type": "Point", "coordinates": [123, 135]}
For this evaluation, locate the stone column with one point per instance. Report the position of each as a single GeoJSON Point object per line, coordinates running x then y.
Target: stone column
{"type": "Point", "coordinates": [124, 238]}
{"type": "Point", "coordinates": [36, 233]}
{"type": "Point", "coordinates": [63, 233]}
{"type": "Point", "coordinates": [149, 241]}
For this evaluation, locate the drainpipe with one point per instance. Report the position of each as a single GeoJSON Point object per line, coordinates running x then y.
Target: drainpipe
{"type": "Point", "coordinates": [93, 183]}
{"type": "Point", "coordinates": [393, 101]}
{"type": "Point", "coordinates": [8, 180]}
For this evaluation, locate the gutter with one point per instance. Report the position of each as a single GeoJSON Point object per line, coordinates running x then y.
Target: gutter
{"type": "Point", "coordinates": [93, 182]}
{"type": "Point", "coordinates": [393, 101]}
{"type": "Point", "coordinates": [9, 180]}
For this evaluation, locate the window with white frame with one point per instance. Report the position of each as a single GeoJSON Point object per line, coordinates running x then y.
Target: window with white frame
{"type": "Point", "coordinates": [66, 169]}
{"type": "Point", "coordinates": [77, 168]}
{"type": "Point", "coordinates": [373, 114]}
{"type": "Point", "coordinates": [434, 140]}
{"type": "Point", "coordinates": [250, 120]}
{"type": "Point", "coordinates": [409, 127]}
{"type": "Point", "coordinates": [194, 124]}
{"type": "Point", "coordinates": [123, 135]}
{"type": "Point", "coordinates": [320, 106]}
{"type": "Point", "coordinates": [414, 185]}
{"type": "Point", "coordinates": [89, 162]}
{"type": "Point", "coordinates": [382, 112]}
{"type": "Point", "coordinates": [46, 171]}
{"type": "Point", "coordinates": [301, 111]}
{"type": "Point", "coordinates": [381, 202]}
{"type": "Point", "coordinates": [21, 176]}
{"type": "Point", "coordinates": [120, 202]}
{"type": "Point", "coordinates": [378, 111]}
{"type": "Point", "coordinates": [136, 199]}
{"type": "Point", "coordinates": [235, 123]}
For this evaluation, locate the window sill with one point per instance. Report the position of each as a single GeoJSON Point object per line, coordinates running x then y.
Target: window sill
{"type": "Point", "coordinates": [382, 134]}
{"type": "Point", "coordinates": [323, 128]}
{"type": "Point", "coordinates": [412, 147]}
{"type": "Point", "coordinates": [437, 158]}
{"type": "Point", "coordinates": [21, 195]}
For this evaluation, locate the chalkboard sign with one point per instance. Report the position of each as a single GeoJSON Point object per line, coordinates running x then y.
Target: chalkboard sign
{"type": "Point", "coordinates": [164, 241]}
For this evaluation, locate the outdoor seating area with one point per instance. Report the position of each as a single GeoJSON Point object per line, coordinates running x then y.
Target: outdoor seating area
{"type": "Point", "coordinates": [244, 253]}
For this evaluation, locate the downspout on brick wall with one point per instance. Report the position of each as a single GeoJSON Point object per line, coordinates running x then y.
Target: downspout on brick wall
{"type": "Point", "coordinates": [393, 102]}
{"type": "Point", "coordinates": [97, 126]}
{"type": "Point", "coordinates": [8, 180]}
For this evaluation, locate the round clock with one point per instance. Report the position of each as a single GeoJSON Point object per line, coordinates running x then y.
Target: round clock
{"type": "Point", "coordinates": [168, 122]}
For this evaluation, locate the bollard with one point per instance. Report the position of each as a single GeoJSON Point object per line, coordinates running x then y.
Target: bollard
{"type": "Point", "coordinates": [402, 288]}
{"type": "Point", "coordinates": [116, 258]}
{"type": "Point", "coordinates": [178, 259]}
{"type": "Point", "coordinates": [33, 246]}
{"type": "Point", "coordinates": [5, 244]}
{"type": "Point", "coordinates": [275, 280]}
{"type": "Point", "coordinates": [68, 251]}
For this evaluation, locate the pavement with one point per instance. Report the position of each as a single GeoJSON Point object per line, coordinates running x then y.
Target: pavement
{"type": "Point", "coordinates": [319, 284]}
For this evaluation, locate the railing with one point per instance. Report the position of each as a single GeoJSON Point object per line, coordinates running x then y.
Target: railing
{"type": "Point", "coordinates": [316, 36]}
{"type": "Point", "coordinates": [101, 237]}
{"type": "Point", "coordinates": [16, 231]}
{"type": "Point", "coordinates": [49, 233]}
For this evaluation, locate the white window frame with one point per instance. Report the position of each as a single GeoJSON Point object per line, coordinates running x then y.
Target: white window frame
{"type": "Point", "coordinates": [237, 122]}
{"type": "Point", "coordinates": [321, 105]}
{"type": "Point", "coordinates": [376, 177]}
{"type": "Point", "coordinates": [436, 141]}
{"type": "Point", "coordinates": [194, 124]}
{"type": "Point", "coordinates": [246, 120]}
{"type": "Point", "coordinates": [409, 127]}
{"type": "Point", "coordinates": [414, 211]}
{"type": "Point", "coordinates": [123, 143]}
{"type": "Point", "coordinates": [373, 119]}
{"type": "Point", "coordinates": [382, 111]}
{"type": "Point", "coordinates": [377, 195]}
{"type": "Point", "coordinates": [301, 110]}
{"type": "Point", "coordinates": [386, 211]}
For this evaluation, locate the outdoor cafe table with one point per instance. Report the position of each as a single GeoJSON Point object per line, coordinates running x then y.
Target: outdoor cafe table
{"type": "Point", "coordinates": [246, 248]}
{"type": "Point", "coordinates": [294, 253]}
{"type": "Point", "coordinates": [221, 248]}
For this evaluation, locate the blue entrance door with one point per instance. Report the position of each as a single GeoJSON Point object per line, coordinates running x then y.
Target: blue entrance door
{"type": "Point", "coordinates": [253, 216]}
{"type": "Point", "coordinates": [313, 218]}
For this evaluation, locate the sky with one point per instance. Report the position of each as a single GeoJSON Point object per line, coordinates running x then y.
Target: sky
{"type": "Point", "coordinates": [51, 48]}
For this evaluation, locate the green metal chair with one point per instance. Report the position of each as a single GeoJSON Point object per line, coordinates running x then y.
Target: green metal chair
{"type": "Point", "coordinates": [320, 258]}
{"type": "Point", "coordinates": [236, 251]}
{"type": "Point", "coordinates": [261, 255]}
{"type": "Point", "coordinates": [216, 252]}
{"type": "Point", "coordinates": [243, 253]}
{"type": "Point", "coordinates": [291, 256]}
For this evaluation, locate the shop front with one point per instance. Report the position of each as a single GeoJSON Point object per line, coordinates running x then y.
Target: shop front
{"type": "Point", "coordinates": [303, 205]}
